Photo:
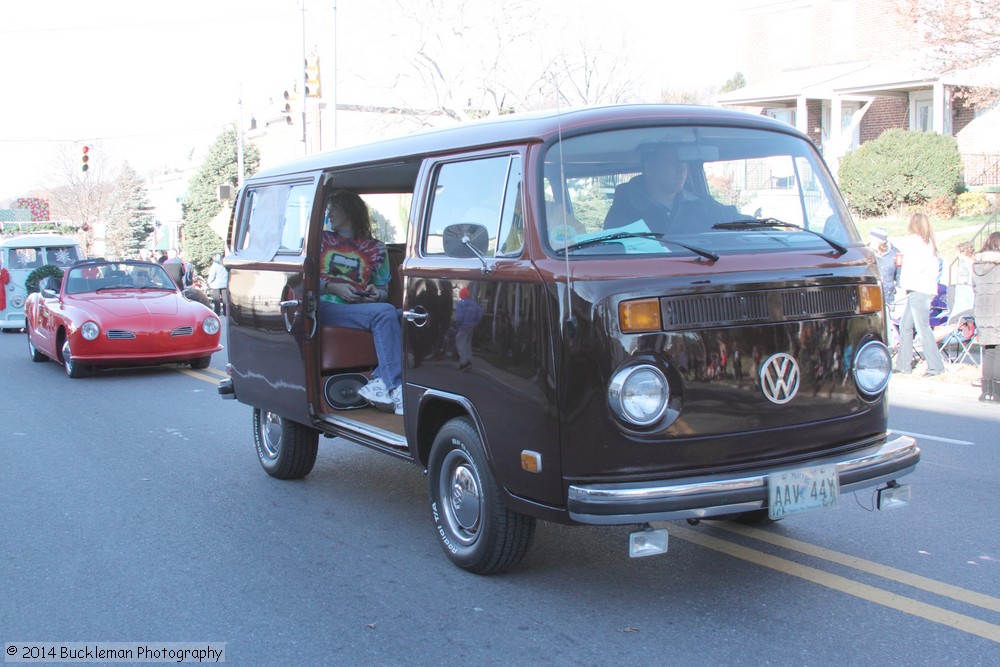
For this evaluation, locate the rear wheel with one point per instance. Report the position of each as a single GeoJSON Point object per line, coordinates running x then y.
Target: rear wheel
{"type": "Point", "coordinates": [477, 531]}
{"type": "Point", "coordinates": [286, 449]}
{"type": "Point", "coordinates": [74, 369]}
{"type": "Point", "coordinates": [32, 350]}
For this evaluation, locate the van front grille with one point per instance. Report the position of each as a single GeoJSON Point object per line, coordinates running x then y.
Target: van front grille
{"type": "Point", "coordinates": [732, 308]}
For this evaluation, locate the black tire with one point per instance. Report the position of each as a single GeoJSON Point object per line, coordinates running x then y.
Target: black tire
{"type": "Point", "coordinates": [286, 449]}
{"type": "Point", "coordinates": [477, 531]}
{"type": "Point", "coordinates": [201, 363]}
{"type": "Point", "coordinates": [74, 369]}
{"type": "Point", "coordinates": [33, 351]}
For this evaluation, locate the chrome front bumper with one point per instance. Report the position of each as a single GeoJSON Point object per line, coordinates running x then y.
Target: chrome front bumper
{"type": "Point", "coordinates": [705, 497]}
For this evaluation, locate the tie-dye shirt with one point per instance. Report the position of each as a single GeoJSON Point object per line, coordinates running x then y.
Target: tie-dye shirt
{"type": "Point", "coordinates": [357, 262]}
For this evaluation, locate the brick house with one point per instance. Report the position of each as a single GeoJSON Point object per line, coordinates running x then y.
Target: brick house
{"type": "Point", "coordinates": [810, 62]}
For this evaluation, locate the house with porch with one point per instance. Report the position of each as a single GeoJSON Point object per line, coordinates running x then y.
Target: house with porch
{"type": "Point", "coordinates": [844, 71]}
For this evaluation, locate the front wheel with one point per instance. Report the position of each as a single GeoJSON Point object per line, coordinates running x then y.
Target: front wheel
{"type": "Point", "coordinates": [201, 363]}
{"type": "Point", "coordinates": [32, 350]}
{"type": "Point", "coordinates": [477, 531]}
{"type": "Point", "coordinates": [286, 449]}
{"type": "Point", "coordinates": [74, 369]}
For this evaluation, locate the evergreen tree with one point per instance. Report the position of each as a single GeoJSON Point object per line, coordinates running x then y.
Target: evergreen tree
{"type": "Point", "coordinates": [130, 216]}
{"type": "Point", "coordinates": [201, 203]}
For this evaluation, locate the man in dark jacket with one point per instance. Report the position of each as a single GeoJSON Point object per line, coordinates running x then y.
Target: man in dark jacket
{"type": "Point", "coordinates": [658, 197]}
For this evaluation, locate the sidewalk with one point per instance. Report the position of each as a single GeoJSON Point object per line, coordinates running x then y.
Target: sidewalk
{"type": "Point", "coordinates": [955, 381]}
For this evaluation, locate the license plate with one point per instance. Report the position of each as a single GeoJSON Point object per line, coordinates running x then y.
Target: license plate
{"type": "Point", "coordinates": [802, 490]}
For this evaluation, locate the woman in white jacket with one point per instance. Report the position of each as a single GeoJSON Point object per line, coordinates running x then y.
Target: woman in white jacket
{"type": "Point", "coordinates": [918, 279]}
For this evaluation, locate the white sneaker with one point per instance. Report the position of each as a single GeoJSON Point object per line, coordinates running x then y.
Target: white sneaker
{"type": "Point", "coordinates": [375, 393]}
{"type": "Point", "coordinates": [397, 399]}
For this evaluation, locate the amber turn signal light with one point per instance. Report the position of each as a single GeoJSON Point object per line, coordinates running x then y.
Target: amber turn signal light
{"type": "Point", "coordinates": [869, 298]}
{"type": "Point", "coordinates": [640, 315]}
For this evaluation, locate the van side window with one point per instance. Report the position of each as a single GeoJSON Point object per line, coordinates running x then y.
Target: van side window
{"type": "Point", "coordinates": [485, 192]}
{"type": "Point", "coordinates": [274, 219]}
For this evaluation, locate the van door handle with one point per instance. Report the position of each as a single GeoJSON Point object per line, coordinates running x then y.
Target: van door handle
{"type": "Point", "coordinates": [292, 303]}
{"type": "Point", "coordinates": [418, 317]}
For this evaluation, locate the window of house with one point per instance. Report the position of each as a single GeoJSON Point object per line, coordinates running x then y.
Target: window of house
{"type": "Point", "coordinates": [782, 114]}
{"type": "Point", "coordinates": [921, 111]}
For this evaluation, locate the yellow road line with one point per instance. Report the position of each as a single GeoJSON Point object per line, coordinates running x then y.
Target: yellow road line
{"type": "Point", "coordinates": [835, 582]}
{"type": "Point", "coordinates": [884, 571]}
{"type": "Point", "coordinates": [199, 375]}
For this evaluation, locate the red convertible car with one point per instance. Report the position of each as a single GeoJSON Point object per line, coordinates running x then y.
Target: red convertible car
{"type": "Point", "coordinates": [127, 313]}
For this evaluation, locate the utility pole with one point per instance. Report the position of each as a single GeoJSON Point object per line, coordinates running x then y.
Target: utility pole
{"type": "Point", "coordinates": [305, 97]}
{"type": "Point", "coordinates": [239, 145]}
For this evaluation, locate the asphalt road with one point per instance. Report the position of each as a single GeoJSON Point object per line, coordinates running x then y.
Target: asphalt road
{"type": "Point", "coordinates": [134, 510]}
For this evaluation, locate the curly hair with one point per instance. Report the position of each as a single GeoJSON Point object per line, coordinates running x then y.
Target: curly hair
{"type": "Point", "coordinates": [357, 212]}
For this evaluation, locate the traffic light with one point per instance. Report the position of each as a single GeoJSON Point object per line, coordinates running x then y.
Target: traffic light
{"type": "Point", "coordinates": [85, 158]}
{"type": "Point", "coordinates": [312, 76]}
{"type": "Point", "coordinates": [286, 110]}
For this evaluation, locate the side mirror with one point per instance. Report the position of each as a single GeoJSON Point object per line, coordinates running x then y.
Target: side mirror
{"type": "Point", "coordinates": [466, 239]}
{"type": "Point", "coordinates": [50, 284]}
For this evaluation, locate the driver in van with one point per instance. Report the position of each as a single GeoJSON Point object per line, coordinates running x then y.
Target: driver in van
{"type": "Point", "coordinates": [659, 198]}
{"type": "Point", "coordinates": [355, 291]}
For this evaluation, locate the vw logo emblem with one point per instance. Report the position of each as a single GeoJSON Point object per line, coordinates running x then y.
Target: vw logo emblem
{"type": "Point", "coordinates": [779, 378]}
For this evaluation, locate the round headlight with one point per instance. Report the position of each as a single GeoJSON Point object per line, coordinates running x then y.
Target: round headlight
{"type": "Point", "coordinates": [210, 326]}
{"type": "Point", "coordinates": [90, 330]}
{"type": "Point", "coordinates": [872, 367]}
{"type": "Point", "coordinates": [638, 395]}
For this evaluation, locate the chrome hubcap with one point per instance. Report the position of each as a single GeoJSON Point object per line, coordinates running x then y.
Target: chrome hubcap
{"type": "Point", "coordinates": [462, 497]}
{"type": "Point", "coordinates": [270, 433]}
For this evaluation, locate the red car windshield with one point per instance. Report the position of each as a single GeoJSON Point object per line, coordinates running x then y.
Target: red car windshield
{"type": "Point", "coordinates": [117, 275]}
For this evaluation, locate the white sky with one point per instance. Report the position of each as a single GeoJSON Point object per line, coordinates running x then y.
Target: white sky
{"type": "Point", "coordinates": [148, 82]}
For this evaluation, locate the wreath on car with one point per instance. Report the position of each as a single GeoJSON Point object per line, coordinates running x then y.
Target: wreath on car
{"type": "Point", "coordinates": [31, 284]}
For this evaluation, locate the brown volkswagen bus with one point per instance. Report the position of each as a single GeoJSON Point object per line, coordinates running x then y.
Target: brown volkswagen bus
{"type": "Point", "coordinates": [679, 321]}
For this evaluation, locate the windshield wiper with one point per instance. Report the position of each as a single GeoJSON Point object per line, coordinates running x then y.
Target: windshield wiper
{"type": "Point", "coordinates": [707, 254]}
{"type": "Point", "coordinates": [771, 223]}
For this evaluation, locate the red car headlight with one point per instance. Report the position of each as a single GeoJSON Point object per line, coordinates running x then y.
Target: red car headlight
{"type": "Point", "coordinates": [210, 326]}
{"type": "Point", "coordinates": [90, 330]}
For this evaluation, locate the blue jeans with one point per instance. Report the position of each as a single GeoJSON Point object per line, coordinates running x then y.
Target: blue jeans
{"type": "Point", "coordinates": [918, 313]}
{"type": "Point", "coordinates": [382, 319]}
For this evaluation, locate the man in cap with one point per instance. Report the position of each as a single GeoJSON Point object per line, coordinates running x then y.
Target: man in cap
{"type": "Point", "coordinates": [888, 268]}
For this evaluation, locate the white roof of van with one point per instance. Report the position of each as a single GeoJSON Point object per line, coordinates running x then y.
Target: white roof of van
{"type": "Point", "coordinates": [39, 240]}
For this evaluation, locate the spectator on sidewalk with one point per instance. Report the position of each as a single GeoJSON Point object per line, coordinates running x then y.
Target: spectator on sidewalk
{"type": "Point", "coordinates": [918, 278]}
{"type": "Point", "coordinates": [986, 283]}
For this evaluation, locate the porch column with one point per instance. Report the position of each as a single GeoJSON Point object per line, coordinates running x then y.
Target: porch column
{"type": "Point", "coordinates": [801, 114]}
{"type": "Point", "coordinates": [941, 118]}
{"type": "Point", "coordinates": [834, 148]}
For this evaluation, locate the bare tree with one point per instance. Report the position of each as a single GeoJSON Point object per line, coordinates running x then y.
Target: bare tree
{"type": "Point", "coordinates": [476, 59]}
{"type": "Point", "coordinates": [83, 196]}
{"type": "Point", "coordinates": [963, 34]}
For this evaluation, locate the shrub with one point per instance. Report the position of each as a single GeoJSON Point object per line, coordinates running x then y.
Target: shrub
{"type": "Point", "coordinates": [972, 204]}
{"type": "Point", "coordinates": [900, 169]}
{"type": "Point", "coordinates": [939, 207]}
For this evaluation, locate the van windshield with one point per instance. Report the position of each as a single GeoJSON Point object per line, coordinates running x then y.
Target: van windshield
{"type": "Point", "coordinates": [690, 190]}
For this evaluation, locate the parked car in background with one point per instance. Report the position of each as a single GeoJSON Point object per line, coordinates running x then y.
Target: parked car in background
{"type": "Point", "coordinates": [112, 314]}
{"type": "Point", "coordinates": [23, 254]}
